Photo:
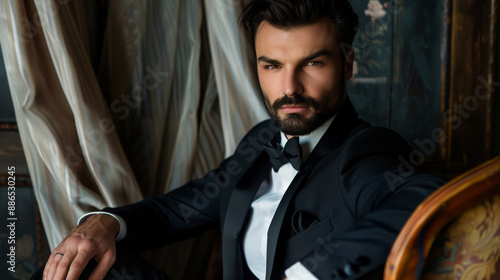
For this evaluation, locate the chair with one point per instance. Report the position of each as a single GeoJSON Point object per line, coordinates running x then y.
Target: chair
{"type": "Point", "coordinates": [454, 233]}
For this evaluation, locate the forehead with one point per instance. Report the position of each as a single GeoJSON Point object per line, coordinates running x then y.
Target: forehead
{"type": "Point", "coordinates": [300, 40]}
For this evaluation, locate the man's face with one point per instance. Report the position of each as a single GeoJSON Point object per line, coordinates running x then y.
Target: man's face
{"type": "Point", "coordinates": [302, 74]}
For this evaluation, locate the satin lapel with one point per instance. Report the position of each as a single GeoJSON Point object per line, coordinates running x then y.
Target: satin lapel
{"type": "Point", "coordinates": [237, 210]}
{"type": "Point", "coordinates": [333, 137]}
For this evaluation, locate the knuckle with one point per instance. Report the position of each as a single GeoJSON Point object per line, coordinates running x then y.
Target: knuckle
{"type": "Point", "coordinates": [84, 253]}
{"type": "Point", "coordinates": [85, 244]}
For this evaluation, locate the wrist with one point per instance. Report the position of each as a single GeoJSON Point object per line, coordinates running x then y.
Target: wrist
{"type": "Point", "coordinates": [121, 223]}
{"type": "Point", "coordinates": [106, 224]}
{"type": "Point", "coordinates": [110, 223]}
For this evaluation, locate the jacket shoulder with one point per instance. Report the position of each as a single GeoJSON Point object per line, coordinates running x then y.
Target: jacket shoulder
{"type": "Point", "coordinates": [262, 132]}
{"type": "Point", "coordinates": [375, 140]}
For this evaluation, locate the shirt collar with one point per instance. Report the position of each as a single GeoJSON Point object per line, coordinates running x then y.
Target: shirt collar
{"type": "Point", "coordinates": [308, 142]}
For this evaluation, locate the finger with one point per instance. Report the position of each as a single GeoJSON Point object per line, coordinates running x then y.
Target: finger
{"type": "Point", "coordinates": [103, 266]}
{"type": "Point", "coordinates": [79, 263]}
{"type": "Point", "coordinates": [63, 266]}
{"type": "Point", "coordinates": [51, 266]}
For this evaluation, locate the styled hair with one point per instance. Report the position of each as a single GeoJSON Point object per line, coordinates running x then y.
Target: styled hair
{"type": "Point", "coordinates": [286, 14]}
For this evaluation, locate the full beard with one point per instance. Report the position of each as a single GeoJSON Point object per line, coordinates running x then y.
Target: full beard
{"type": "Point", "coordinates": [297, 124]}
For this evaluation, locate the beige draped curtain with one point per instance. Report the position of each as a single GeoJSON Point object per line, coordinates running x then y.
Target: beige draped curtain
{"type": "Point", "coordinates": [174, 91]}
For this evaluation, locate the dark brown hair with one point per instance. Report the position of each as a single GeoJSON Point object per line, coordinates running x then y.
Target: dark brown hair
{"type": "Point", "coordinates": [285, 14]}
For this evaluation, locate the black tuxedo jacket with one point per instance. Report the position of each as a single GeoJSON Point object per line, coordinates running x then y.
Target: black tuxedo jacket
{"type": "Point", "coordinates": [339, 217]}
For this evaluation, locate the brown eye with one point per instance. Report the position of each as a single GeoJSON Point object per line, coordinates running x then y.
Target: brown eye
{"type": "Point", "coordinates": [272, 67]}
{"type": "Point", "coordinates": [314, 63]}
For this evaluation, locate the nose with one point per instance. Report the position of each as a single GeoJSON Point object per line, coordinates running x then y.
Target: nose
{"type": "Point", "coordinates": [291, 82]}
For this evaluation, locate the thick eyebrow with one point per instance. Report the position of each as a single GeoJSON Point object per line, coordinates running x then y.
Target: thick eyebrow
{"type": "Point", "coordinates": [312, 56]}
{"type": "Point", "coordinates": [317, 54]}
{"type": "Point", "coordinates": [268, 60]}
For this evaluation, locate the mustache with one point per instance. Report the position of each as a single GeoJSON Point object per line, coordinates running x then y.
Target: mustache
{"type": "Point", "coordinates": [296, 99]}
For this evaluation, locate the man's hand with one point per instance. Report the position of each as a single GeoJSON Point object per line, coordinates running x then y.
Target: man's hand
{"type": "Point", "coordinates": [94, 238]}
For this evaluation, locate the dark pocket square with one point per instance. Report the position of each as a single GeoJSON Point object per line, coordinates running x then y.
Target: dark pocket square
{"type": "Point", "coordinates": [302, 220]}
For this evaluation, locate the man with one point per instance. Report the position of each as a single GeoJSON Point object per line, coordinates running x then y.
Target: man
{"type": "Point", "coordinates": [322, 206]}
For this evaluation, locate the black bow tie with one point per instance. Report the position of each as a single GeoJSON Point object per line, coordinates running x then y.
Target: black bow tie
{"type": "Point", "coordinates": [291, 153]}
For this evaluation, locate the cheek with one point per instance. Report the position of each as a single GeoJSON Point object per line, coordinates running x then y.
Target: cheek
{"type": "Point", "coordinates": [324, 85]}
{"type": "Point", "coordinates": [268, 85]}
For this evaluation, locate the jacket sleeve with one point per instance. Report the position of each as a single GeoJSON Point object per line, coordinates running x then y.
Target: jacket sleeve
{"type": "Point", "coordinates": [179, 214]}
{"type": "Point", "coordinates": [381, 186]}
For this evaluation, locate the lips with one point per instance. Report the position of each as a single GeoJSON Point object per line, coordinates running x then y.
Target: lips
{"type": "Point", "coordinates": [294, 109]}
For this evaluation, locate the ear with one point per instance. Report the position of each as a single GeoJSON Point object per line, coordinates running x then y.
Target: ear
{"type": "Point", "coordinates": [349, 61]}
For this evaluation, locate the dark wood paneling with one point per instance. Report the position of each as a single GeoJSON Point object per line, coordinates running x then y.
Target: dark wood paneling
{"type": "Point", "coordinates": [468, 113]}
{"type": "Point", "coordinates": [496, 106]}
